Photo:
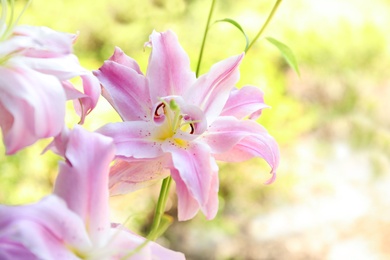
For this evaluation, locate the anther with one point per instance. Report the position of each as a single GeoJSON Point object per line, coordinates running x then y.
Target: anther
{"type": "Point", "coordinates": [156, 112]}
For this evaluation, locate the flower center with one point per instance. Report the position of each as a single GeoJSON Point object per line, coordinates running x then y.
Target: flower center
{"type": "Point", "coordinates": [172, 121]}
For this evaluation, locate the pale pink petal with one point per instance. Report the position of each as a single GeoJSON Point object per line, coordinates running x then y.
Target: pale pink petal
{"type": "Point", "coordinates": [83, 179]}
{"type": "Point", "coordinates": [161, 253]}
{"type": "Point", "coordinates": [133, 139]}
{"type": "Point", "coordinates": [63, 67]}
{"type": "Point", "coordinates": [43, 41]}
{"type": "Point", "coordinates": [125, 244]}
{"type": "Point", "coordinates": [247, 101]}
{"type": "Point", "coordinates": [120, 57]}
{"type": "Point", "coordinates": [195, 166]}
{"type": "Point", "coordinates": [210, 209]}
{"type": "Point", "coordinates": [236, 140]}
{"type": "Point", "coordinates": [92, 92]}
{"type": "Point", "coordinates": [11, 250]}
{"type": "Point", "coordinates": [59, 143]}
{"type": "Point", "coordinates": [211, 91]}
{"type": "Point", "coordinates": [169, 71]}
{"type": "Point", "coordinates": [47, 229]}
{"type": "Point", "coordinates": [85, 102]}
{"type": "Point", "coordinates": [128, 176]}
{"type": "Point", "coordinates": [50, 52]}
{"type": "Point", "coordinates": [187, 205]}
{"type": "Point", "coordinates": [15, 45]}
{"type": "Point", "coordinates": [33, 107]}
{"type": "Point", "coordinates": [126, 90]}
{"type": "Point", "coordinates": [71, 92]}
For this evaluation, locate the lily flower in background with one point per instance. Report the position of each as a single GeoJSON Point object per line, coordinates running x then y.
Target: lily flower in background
{"type": "Point", "coordinates": [73, 223]}
{"type": "Point", "coordinates": [36, 64]}
{"type": "Point", "coordinates": [175, 123]}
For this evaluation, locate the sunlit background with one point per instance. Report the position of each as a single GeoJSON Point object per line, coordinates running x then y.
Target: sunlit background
{"type": "Point", "coordinates": [332, 196]}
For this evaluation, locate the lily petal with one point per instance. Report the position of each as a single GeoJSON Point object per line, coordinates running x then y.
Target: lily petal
{"type": "Point", "coordinates": [43, 41]}
{"type": "Point", "coordinates": [211, 207]}
{"type": "Point", "coordinates": [85, 173]}
{"type": "Point", "coordinates": [169, 71]}
{"type": "Point", "coordinates": [92, 92]}
{"type": "Point", "coordinates": [126, 89]}
{"type": "Point", "coordinates": [27, 113]}
{"type": "Point", "coordinates": [42, 228]}
{"type": "Point", "coordinates": [120, 57]}
{"type": "Point", "coordinates": [127, 245]}
{"type": "Point", "coordinates": [130, 175]}
{"type": "Point", "coordinates": [211, 91]}
{"type": "Point", "coordinates": [133, 139]}
{"type": "Point", "coordinates": [247, 101]}
{"type": "Point", "coordinates": [236, 140]}
{"type": "Point", "coordinates": [59, 143]}
{"type": "Point", "coordinates": [10, 250]}
{"type": "Point", "coordinates": [65, 68]}
{"type": "Point", "coordinates": [15, 45]}
{"type": "Point", "coordinates": [195, 166]}
{"type": "Point", "coordinates": [187, 205]}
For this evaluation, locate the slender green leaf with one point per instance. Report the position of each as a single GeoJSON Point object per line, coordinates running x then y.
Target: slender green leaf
{"type": "Point", "coordinates": [287, 54]}
{"type": "Point", "coordinates": [238, 26]}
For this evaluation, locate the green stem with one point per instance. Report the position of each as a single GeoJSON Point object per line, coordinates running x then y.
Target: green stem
{"type": "Point", "coordinates": [204, 37]}
{"type": "Point", "coordinates": [22, 12]}
{"type": "Point", "coordinates": [160, 208]}
{"type": "Point", "coordinates": [11, 22]}
{"type": "Point", "coordinates": [270, 16]}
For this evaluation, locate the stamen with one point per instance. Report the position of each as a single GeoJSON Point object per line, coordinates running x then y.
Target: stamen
{"type": "Point", "coordinates": [157, 112]}
{"type": "Point", "coordinates": [190, 122]}
{"type": "Point", "coordinates": [184, 127]}
{"type": "Point", "coordinates": [192, 128]}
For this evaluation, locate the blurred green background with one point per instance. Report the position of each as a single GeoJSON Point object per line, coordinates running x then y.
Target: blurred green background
{"type": "Point", "coordinates": [332, 197]}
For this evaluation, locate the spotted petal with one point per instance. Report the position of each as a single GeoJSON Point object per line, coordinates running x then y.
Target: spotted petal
{"type": "Point", "coordinates": [133, 139]}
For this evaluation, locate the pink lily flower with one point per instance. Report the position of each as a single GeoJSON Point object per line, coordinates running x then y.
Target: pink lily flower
{"type": "Point", "coordinates": [36, 64]}
{"type": "Point", "coordinates": [73, 223]}
{"type": "Point", "coordinates": [175, 123]}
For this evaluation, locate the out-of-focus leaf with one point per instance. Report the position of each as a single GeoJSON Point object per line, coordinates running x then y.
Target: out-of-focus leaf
{"type": "Point", "coordinates": [238, 26]}
{"type": "Point", "coordinates": [286, 52]}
